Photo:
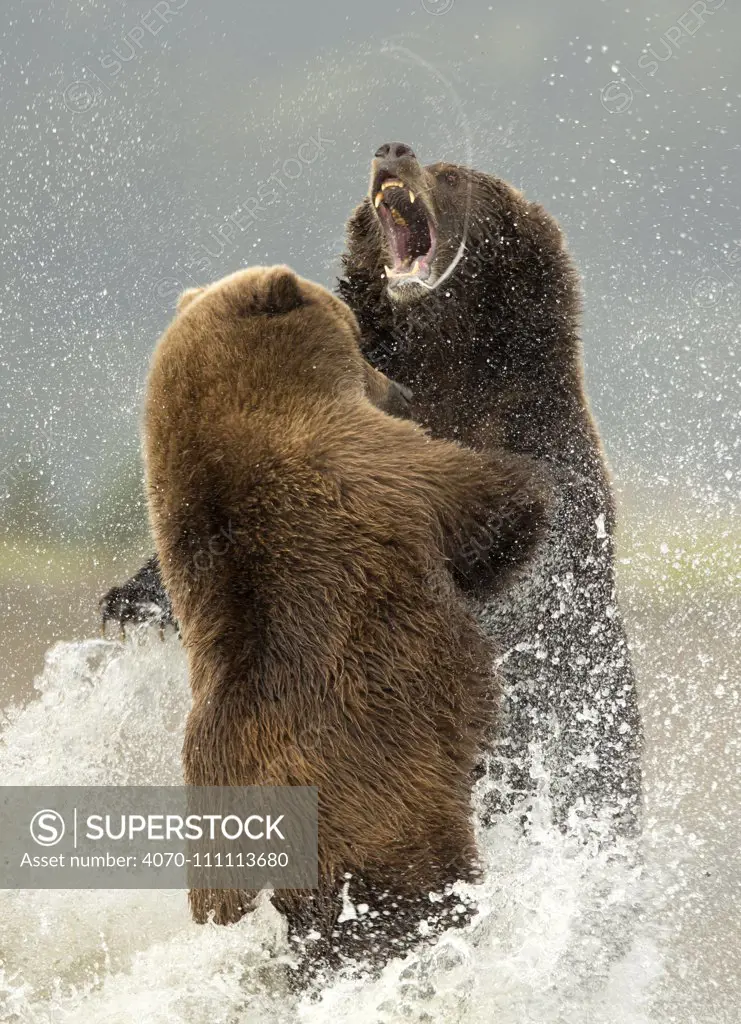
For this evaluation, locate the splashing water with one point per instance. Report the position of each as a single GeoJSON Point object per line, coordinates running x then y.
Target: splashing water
{"type": "Point", "coordinates": [565, 932]}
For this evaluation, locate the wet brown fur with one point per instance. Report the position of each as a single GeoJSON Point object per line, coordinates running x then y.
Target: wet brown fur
{"type": "Point", "coordinates": [493, 359]}
{"type": "Point", "coordinates": [306, 538]}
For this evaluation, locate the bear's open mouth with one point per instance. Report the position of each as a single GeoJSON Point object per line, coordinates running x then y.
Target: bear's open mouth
{"type": "Point", "coordinates": [409, 230]}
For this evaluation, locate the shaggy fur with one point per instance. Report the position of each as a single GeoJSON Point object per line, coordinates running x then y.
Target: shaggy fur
{"type": "Point", "coordinates": [305, 538]}
{"type": "Point", "coordinates": [493, 359]}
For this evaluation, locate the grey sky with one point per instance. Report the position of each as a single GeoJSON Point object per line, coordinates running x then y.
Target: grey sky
{"type": "Point", "coordinates": [138, 136]}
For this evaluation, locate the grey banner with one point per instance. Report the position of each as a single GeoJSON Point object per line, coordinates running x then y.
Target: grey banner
{"type": "Point", "coordinates": [158, 837]}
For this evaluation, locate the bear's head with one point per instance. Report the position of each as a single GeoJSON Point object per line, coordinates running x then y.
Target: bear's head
{"type": "Point", "coordinates": [283, 333]}
{"type": "Point", "coordinates": [431, 232]}
{"type": "Point", "coordinates": [266, 292]}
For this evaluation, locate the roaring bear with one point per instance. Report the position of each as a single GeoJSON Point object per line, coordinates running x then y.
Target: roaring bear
{"type": "Point", "coordinates": [465, 293]}
{"type": "Point", "coordinates": [327, 643]}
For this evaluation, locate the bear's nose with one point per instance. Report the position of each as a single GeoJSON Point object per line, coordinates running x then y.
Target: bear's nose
{"type": "Point", "coordinates": [394, 151]}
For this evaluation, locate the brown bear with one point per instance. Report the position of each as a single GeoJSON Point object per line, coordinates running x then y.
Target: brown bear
{"type": "Point", "coordinates": [327, 645]}
{"type": "Point", "coordinates": [465, 293]}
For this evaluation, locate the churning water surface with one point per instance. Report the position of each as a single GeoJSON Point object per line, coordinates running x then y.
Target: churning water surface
{"type": "Point", "coordinates": [565, 933]}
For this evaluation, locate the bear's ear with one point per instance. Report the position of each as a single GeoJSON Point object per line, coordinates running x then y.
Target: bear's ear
{"type": "Point", "coordinates": [282, 292]}
{"type": "Point", "coordinates": [187, 297]}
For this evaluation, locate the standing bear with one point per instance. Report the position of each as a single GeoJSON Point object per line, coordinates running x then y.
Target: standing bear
{"type": "Point", "coordinates": [327, 644]}
{"type": "Point", "coordinates": [466, 294]}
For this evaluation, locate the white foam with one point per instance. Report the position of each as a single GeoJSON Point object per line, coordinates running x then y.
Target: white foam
{"type": "Point", "coordinates": [558, 937]}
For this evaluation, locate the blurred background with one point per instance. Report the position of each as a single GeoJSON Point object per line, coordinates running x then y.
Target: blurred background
{"type": "Point", "coordinates": [149, 146]}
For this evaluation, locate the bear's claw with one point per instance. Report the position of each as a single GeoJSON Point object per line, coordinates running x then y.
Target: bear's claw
{"type": "Point", "coordinates": [141, 599]}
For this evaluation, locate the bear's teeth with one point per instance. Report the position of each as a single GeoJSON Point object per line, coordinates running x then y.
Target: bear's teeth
{"type": "Point", "coordinates": [411, 196]}
{"type": "Point", "coordinates": [378, 200]}
{"type": "Point", "coordinates": [403, 271]}
{"type": "Point", "coordinates": [392, 183]}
